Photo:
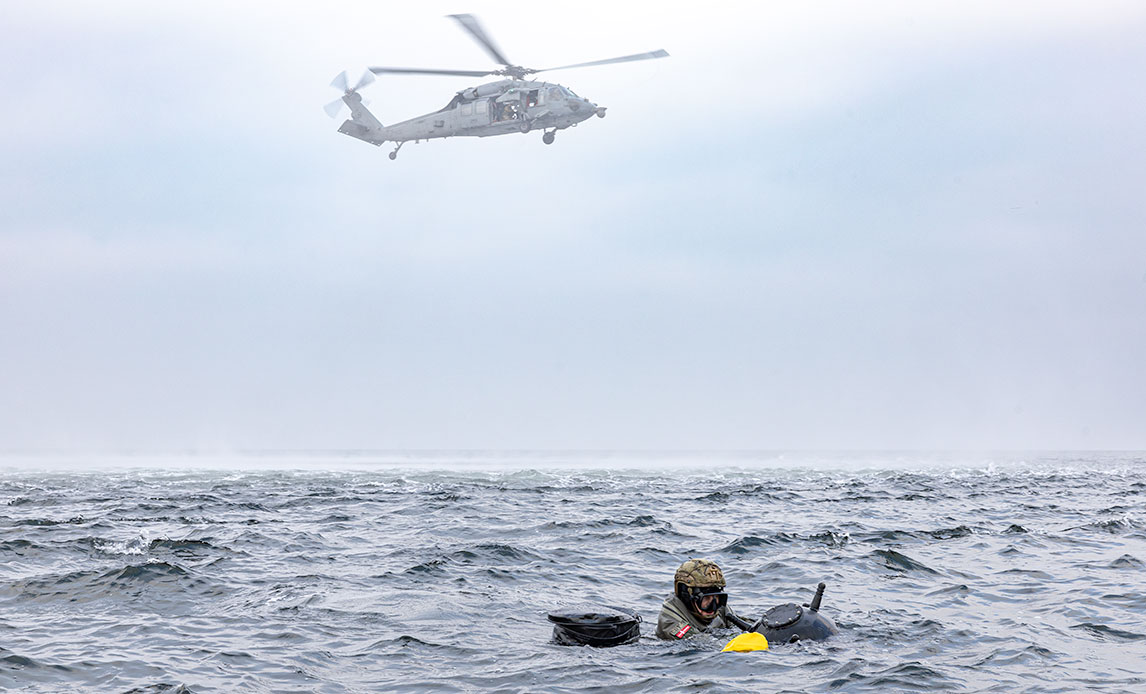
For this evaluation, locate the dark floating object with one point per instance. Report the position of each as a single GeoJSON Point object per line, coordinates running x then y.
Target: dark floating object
{"type": "Point", "coordinates": [790, 622]}
{"type": "Point", "coordinates": [595, 625]}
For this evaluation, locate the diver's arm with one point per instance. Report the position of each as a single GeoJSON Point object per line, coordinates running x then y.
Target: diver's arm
{"type": "Point", "coordinates": [735, 621]}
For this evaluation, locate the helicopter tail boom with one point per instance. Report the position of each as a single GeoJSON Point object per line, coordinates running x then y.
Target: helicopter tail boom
{"type": "Point", "coordinates": [362, 123]}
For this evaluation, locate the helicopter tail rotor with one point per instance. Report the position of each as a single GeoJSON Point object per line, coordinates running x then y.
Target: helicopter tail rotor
{"type": "Point", "coordinates": [333, 108]}
{"type": "Point", "coordinates": [342, 84]}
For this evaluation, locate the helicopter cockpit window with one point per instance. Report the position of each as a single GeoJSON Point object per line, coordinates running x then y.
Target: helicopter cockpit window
{"type": "Point", "coordinates": [481, 107]}
{"type": "Point", "coordinates": [555, 94]}
{"type": "Point", "coordinates": [465, 109]}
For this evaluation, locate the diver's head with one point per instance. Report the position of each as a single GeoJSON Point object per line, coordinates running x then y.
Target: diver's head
{"type": "Point", "coordinates": [699, 583]}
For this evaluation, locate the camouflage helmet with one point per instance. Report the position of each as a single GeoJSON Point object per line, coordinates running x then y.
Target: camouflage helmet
{"type": "Point", "coordinates": [699, 573]}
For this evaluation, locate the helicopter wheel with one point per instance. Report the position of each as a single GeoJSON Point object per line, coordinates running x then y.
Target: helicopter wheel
{"type": "Point", "coordinates": [548, 138]}
{"type": "Point", "coordinates": [393, 156]}
{"type": "Point", "coordinates": [525, 126]}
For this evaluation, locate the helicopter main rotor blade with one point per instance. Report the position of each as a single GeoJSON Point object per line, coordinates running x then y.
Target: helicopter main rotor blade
{"type": "Point", "coordinates": [624, 59]}
{"type": "Point", "coordinates": [471, 24]}
{"type": "Point", "coordinates": [420, 71]}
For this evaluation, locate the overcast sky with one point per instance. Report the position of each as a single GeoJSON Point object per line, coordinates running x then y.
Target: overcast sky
{"type": "Point", "coordinates": [816, 225]}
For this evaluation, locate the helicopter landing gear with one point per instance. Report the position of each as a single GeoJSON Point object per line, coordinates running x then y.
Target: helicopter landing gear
{"type": "Point", "coordinates": [394, 155]}
{"type": "Point", "coordinates": [525, 126]}
{"type": "Point", "coordinates": [548, 137]}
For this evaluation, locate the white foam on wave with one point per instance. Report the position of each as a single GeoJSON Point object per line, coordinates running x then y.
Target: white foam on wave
{"type": "Point", "coordinates": [134, 546]}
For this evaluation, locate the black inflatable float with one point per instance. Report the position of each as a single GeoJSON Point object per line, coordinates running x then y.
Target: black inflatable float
{"type": "Point", "coordinates": [595, 625]}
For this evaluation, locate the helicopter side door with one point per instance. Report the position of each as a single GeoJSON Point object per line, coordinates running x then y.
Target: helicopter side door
{"type": "Point", "coordinates": [508, 107]}
{"type": "Point", "coordinates": [481, 112]}
{"type": "Point", "coordinates": [537, 106]}
{"type": "Point", "coordinates": [471, 114]}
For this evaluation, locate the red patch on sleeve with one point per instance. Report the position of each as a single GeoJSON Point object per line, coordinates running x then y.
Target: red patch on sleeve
{"type": "Point", "coordinates": [684, 630]}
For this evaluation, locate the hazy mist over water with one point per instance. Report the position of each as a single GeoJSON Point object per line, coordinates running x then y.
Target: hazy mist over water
{"type": "Point", "coordinates": [512, 460]}
{"type": "Point", "coordinates": [433, 571]}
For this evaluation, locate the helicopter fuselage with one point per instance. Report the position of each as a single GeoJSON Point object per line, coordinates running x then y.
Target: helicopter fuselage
{"type": "Point", "coordinates": [496, 108]}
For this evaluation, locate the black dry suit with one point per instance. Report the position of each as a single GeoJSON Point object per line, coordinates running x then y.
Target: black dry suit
{"type": "Point", "coordinates": [676, 621]}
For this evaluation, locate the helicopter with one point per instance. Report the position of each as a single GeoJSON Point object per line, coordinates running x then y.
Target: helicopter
{"type": "Point", "coordinates": [511, 105]}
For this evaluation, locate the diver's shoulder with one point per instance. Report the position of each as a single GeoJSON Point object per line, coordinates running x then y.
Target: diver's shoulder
{"type": "Point", "coordinates": [673, 604]}
{"type": "Point", "coordinates": [674, 622]}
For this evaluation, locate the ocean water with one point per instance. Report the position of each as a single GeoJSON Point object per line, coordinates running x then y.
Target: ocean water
{"type": "Point", "coordinates": [433, 572]}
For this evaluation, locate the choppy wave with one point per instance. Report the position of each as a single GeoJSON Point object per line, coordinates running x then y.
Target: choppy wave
{"type": "Point", "coordinates": [402, 572]}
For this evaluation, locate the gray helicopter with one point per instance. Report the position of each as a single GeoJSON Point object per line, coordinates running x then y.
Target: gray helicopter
{"type": "Point", "coordinates": [512, 105]}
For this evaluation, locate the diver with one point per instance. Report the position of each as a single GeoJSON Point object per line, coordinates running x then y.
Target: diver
{"type": "Point", "coordinates": [698, 602]}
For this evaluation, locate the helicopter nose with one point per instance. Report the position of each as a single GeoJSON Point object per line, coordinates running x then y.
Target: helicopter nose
{"type": "Point", "coordinates": [582, 103]}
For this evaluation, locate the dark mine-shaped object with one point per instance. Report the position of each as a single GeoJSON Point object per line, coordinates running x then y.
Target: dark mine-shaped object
{"type": "Point", "coordinates": [790, 622]}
